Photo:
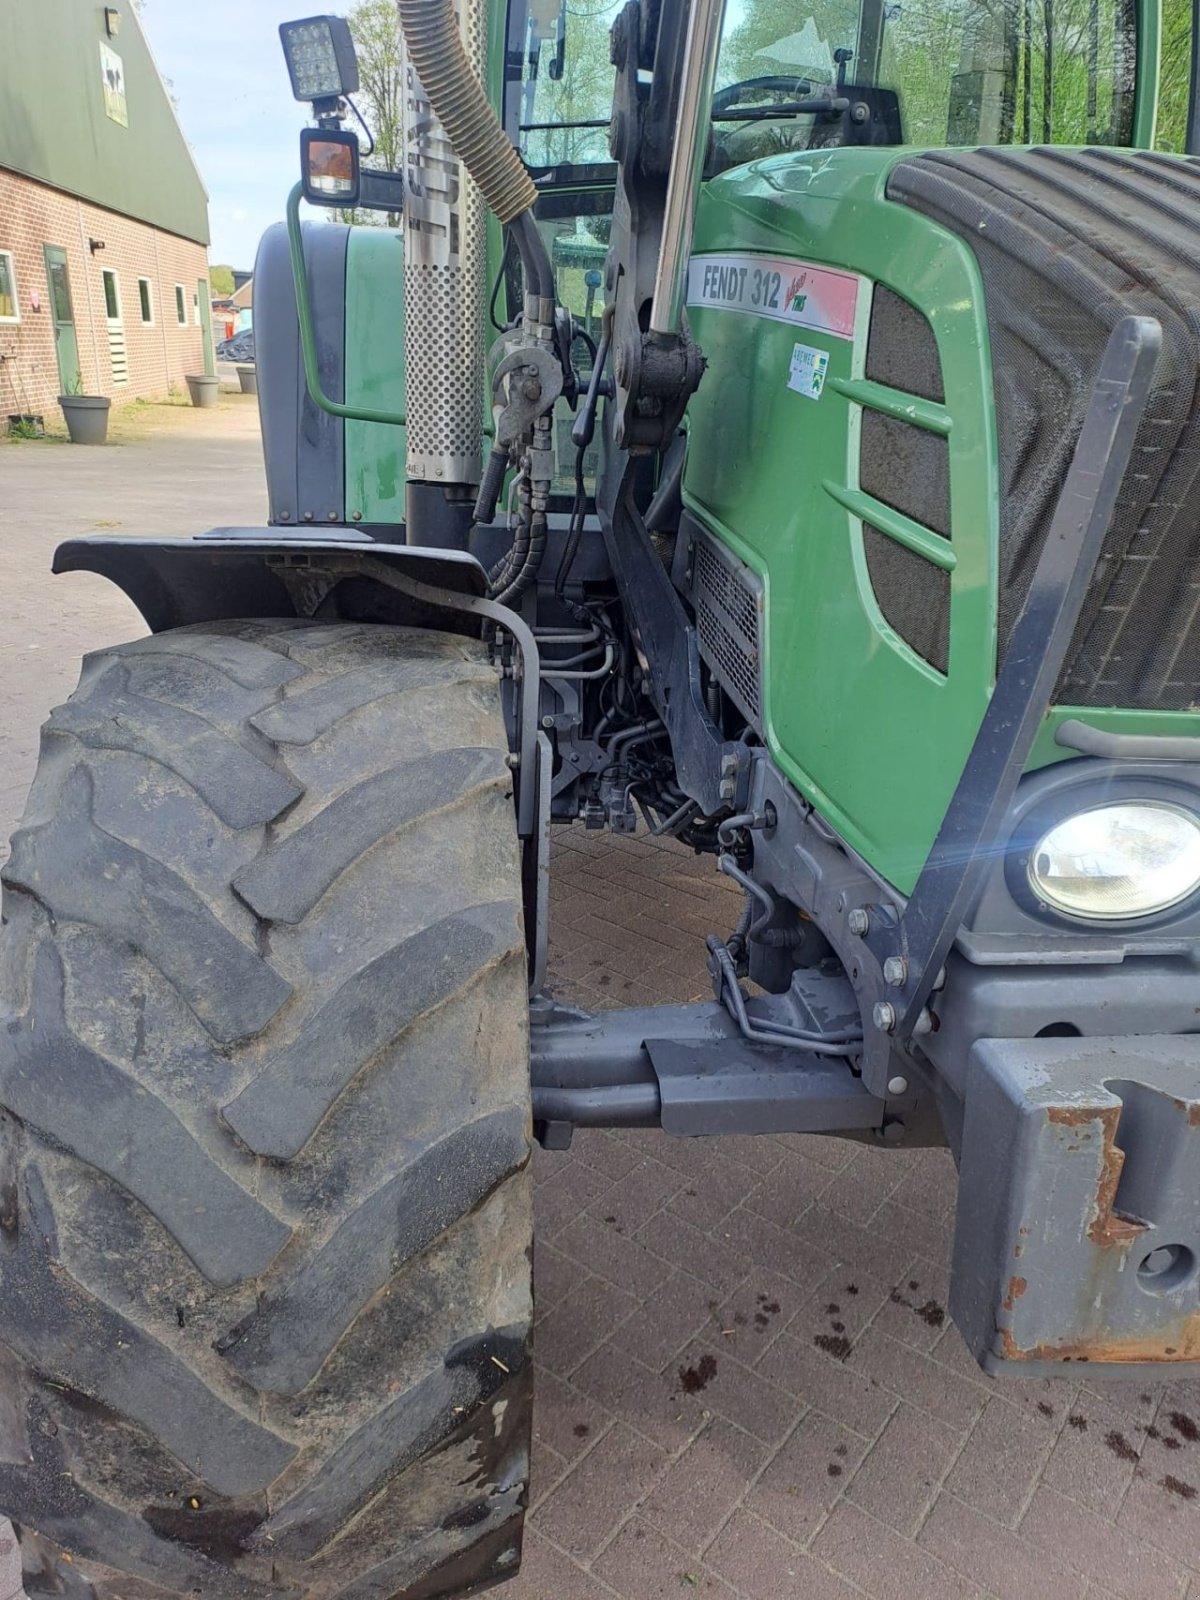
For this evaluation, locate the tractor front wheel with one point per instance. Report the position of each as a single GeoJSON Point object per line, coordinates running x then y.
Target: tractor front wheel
{"type": "Point", "coordinates": [264, 1148]}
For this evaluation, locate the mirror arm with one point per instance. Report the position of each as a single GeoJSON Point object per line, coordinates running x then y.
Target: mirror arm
{"type": "Point", "coordinates": [380, 190]}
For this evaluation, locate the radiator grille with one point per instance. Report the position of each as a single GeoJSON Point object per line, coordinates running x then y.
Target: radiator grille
{"type": "Point", "coordinates": [728, 598]}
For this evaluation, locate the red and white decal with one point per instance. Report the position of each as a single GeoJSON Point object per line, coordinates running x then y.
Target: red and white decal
{"type": "Point", "coordinates": [795, 292]}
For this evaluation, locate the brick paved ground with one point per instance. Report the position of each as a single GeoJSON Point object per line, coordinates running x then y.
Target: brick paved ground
{"type": "Point", "coordinates": [746, 1383]}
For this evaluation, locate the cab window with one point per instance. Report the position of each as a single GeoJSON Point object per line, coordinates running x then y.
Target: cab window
{"type": "Point", "coordinates": [928, 72]}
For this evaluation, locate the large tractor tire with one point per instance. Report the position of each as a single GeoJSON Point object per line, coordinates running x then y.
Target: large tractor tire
{"type": "Point", "coordinates": [264, 1148]}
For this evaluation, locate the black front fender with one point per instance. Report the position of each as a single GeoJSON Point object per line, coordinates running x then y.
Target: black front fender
{"type": "Point", "coordinates": [264, 572]}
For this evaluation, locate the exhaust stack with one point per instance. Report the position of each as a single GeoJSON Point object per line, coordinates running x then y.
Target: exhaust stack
{"type": "Point", "coordinates": [445, 288]}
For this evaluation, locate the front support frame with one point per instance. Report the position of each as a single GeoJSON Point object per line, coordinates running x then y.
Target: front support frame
{"type": "Point", "coordinates": [687, 1070]}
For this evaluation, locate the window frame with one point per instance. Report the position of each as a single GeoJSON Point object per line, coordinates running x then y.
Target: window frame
{"type": "Point", "coordinates": [108, 274]}
{"type": "Point", "coordinates": [14, 320]}
{"type": "Point", "coordinates": [146, 303]}
{"type": "Point", "coordinates": [181, 316]}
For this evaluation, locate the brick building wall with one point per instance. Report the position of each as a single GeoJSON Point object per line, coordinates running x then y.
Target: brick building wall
{"type": "Point", "coordinates": [157, 355]}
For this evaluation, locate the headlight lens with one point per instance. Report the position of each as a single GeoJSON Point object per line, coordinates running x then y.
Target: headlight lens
{"type": "Point", "coordinates": [1118, 861]}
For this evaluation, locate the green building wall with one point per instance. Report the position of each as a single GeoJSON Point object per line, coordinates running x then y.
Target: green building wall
{"type": "Point", "coordinates": [54, 125]}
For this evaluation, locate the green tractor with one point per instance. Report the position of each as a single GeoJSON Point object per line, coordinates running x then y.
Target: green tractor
{"type": "Point", "coordinates": [776, 428]}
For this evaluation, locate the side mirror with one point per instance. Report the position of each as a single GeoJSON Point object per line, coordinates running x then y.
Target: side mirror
{"type": "Point", "coordinates": [329, 166]}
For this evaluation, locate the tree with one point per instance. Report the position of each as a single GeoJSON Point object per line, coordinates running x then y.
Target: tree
{"type": "Point", "coordinates": [221, 279]}
{"type": "Point", "coordinates": [375, 29]}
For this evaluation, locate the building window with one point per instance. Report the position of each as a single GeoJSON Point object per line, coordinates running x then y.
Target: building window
{"type": "Point", "coordinates": [112, 297]}
{"type": "Point", "coordinates": [10, 310]}
{"type": "Point", "coordinates": [180, 306]}
{"type": "Point", "coordinates": [145, 301]}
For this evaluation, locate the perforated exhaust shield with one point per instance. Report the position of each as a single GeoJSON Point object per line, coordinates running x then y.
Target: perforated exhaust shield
{"type": "Point", "coordinates": [445, 285]}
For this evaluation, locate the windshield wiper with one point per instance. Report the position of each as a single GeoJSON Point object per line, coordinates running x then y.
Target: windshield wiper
{"type": "Point", "coordinates": [546, 127]}
{"type": "Point", "coordinates": [794, 108]}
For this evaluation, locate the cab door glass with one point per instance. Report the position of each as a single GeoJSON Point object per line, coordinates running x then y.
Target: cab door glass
{"type": "Point", "coordinates": [560, 80]}
{"type": "Point", "coordinates": [929, 72]}
{"type": "Point", "coordinates": [1178, 42]}
{"type": "Point", "coordinates": [1013, 72]}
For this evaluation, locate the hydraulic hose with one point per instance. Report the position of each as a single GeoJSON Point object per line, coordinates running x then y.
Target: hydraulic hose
{"type": "Point", "coordinates": [435, 49]}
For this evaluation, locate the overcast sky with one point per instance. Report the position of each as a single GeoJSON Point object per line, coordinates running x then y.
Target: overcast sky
{"type": "Point", "coordinates": [226, 70]}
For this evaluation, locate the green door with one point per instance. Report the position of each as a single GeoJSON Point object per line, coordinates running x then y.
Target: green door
{"type": "Point", "coordinates": [66, 346]}
{"type": "Point", "coordinates": [205, 305]}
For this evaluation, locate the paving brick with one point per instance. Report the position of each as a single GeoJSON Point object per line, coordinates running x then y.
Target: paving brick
{"type": "Point", "coordinates": [787, 1192]}
{"type": "Point", "coordinates": [548, 1574]}
{"type": "Point", "coordinates": [555, 1276]}
{"type": "Point", "coordinates": [900, 1476]}
{"type": "Point", "coordinates": [697, 1493]}
{"type": "Point", "coordinates": [597, 1149]}
{"type": "Point", "coordinates": [951, 1351]}
{"type": "Point", "coordinates": [565, 1419]}
{"type": "Point", "coordinates": [1095, 1455]}
{"type": "Point", "coordinates": [760, 1155]}
{"type": "Point", "coordinates": [546, 1467]}
{"type": "Point", "coordinates": [761, 1244]}
{"type": "Point", "coordinates": [576, 1327]}
{"type": "Point", "coordinates": [640, 1192]}
{"type": "Point", "coordinates": [1047, 1400]}
{"type": "Point", "coordinates": [636, 1197]}
{"type": "Point", "coordinates": [672, 1315]}
{"type": "Point", "coordinates": [915, 1377]}
{"type": "Point", "coordinates": [807, 1477]}
{"type": "Point", "coordinates": [707, 1378]}
{"type": "Point", "coordinates": [1002, 1460]}
{"type": "Point", "coordinates": [649, 1401]}
{"type": "Point", "coordinates": [1137, 1399]}
{"type": "Point", "coordinates": [1182, 1395]}
{"type": "Point", "coordinates": [612, 1255]}
{"type": "Point", "coordinates": [930, 1186]}
{"type": "Point", "coordinates": [827, 1150]}
{"type": "Point", "coordinates": [755, 1314]}
{"type": "Point", "coordinates": [915, 1309]}
{"type": "Point", "coordinates": [864, 1249]}
{"type": "Point", "coordinates": [600, 1491]}
{"type": "Point", "coordinates": [862, 1186]}
{"type": "Point", "coordinates": [843, 1305]}
{"type": "Point", "coordinates": [1091, 1545]}
{"type": "Point", "coordinates": [913, 1230]}
{"type": "Point", "coordinates": [564, 1195]}
{"type": "Point", "coordinates": [820, 1380]}
{"type": "Point", "coordinates": [641, 1564]}
{"type": "Point", "coordinates": [1168, 1518]}
{"type": "Point", "coordinates": [883, 1564]}
{"type": "Point", "coordinates": [707, 1199]}
{"type": "Point", "coordinates": [757, 1561]}
{"type": "Point", "coordinates": [716, 1263]}
{"type": "Point", "coordinates": [994, 1556]}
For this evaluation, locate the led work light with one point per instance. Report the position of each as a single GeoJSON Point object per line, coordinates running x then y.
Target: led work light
{"type": "Point", "coordinates": [320, 57]}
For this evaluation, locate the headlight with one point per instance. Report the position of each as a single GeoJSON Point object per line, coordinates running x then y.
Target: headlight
{"type": "Point", "coordinates": [1118, 861]}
